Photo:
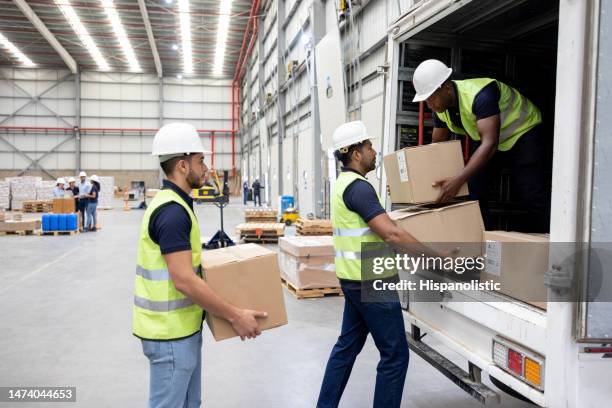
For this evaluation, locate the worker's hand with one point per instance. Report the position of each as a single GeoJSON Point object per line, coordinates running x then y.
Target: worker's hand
{"type": "Point", "coordinates": [449, 187]}
{"type": "Point", "coordinates": [245, 323]}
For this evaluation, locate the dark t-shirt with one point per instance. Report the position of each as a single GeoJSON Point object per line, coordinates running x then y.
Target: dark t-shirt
{"type": "Point", "coordinates": [95, 190]}
{"type": "Point", "coordinates": [361, 198]}
{"type": "Point", "coordinates": [170, 225]}
{"type": "Point", "coordinates": [486, 104]}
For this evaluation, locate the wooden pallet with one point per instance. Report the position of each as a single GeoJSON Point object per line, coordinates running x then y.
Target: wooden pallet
{"type": "Point", "coordinates": [249, 219]}
{"type": "Point", "coordinates": [37, 206]}
{"type": "Point", "coordinates": [24, 232]}
{"type": "Point", "coordinates": [57, 233]}
{"type": "Point", "coordinates": [313, 227]}
{"type": "Point", "coordinates": [260, 215]}
{"type": "Point", "coordinates": [310, 293]}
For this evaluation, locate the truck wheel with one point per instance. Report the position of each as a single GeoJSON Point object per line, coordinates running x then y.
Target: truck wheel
{"type": "Point", "coordinates": [509, 390]}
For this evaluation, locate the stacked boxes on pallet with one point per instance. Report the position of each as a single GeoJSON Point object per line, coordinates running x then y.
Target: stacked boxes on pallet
{"type": "Point", "coordinates": [308, 262]}
{"type": "Point", "coordinates": [107, 192]}
{"type": "Point", "coordinates": [5, 195]}
{"type": "Point", "coordinates": [22, 189]}
{"type": "Point", "coordinates": [44, 190]}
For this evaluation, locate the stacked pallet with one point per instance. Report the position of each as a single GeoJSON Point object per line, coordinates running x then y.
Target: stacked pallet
{"type": "Point", "coordinates": [262, 232]}
{"type": "Point", "coordinates": [260, 215]}
{"type": "Point", "coordinates": [5, 195]}
{"type": "Point", "coordinates": [37, 206]}
{"type": "Point", "coordinates": [313, 227]}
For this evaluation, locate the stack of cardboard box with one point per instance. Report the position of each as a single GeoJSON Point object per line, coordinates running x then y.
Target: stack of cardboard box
{"type": "Point", "coordinates": [307, 262]}
{"type": "Point", "coordinates": [63, 206]}
{"type": "Point", "coordinates": [5, 195]}
{"type": "Point", "coordinates": [517, 261]}
{"type": "Point", "coordinates": [14, 223]}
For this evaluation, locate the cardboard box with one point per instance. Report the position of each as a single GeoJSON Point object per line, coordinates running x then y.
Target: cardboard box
{"type": "Point", "coordinates": [518, 262]}
{"type": "Point", "coordinates": [248, 277]}
{"type": "Point", "coordinates": [459, 223]}
{"type": "Point", "coordinates": [317, 245]}
{"type": "Point", "coordinates": [63, 206]}
{"type": "Point", "coordinates": [16, 226]}
{"type": "Point", "coordinates": [412, 171]}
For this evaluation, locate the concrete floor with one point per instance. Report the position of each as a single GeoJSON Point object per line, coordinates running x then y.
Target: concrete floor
{"type": "Point", "coordinates": [65, 320]}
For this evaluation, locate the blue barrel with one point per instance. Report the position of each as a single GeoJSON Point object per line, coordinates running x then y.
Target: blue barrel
{"type": "Point", "coordinates": [45, 222]}
{"type": "Point", "coordinates": [72, 221]}
{"type": "Point", "coordinates": [53, 222]}
{"type": "Point", "coordinates": [61, 224]}
{"type": "Point", "coordinates": [286, 202]}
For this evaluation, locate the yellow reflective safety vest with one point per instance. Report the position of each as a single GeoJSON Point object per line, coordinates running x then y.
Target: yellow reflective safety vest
{"type": "Point", "coordinates": [160, 311]}
{"type": "Point", "coordinates": [350, 231]}
{"type": "Point", "coordinates": [517, 114]}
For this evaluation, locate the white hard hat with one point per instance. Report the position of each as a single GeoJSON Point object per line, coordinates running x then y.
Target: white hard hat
{"type": "Point", "coordinates": [350, 133]}
{"type": "Point", "coordinates": [95, 178]}
{"type": "Point", "coordinates": [82, 174]}
{"type": "Point", "coordinates": [429, 76]}
{"type": "Point", "coordinates": [177, 138]}
{"type": "Point", "coordinates": [60, 181]}
{"type": "Point", "coordinates": [71, 180]}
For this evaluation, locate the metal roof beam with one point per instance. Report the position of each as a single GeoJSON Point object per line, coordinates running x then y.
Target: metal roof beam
{"type": "Point", "coordinates": [147, 24]}
{"type": "Point", "coordinates": [44, 31]}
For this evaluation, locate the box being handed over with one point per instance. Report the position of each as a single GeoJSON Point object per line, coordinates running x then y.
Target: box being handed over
{"type": "Point", "coordinates": [412, 171]}
{"type": "Point", "coordinates": [248, 277]}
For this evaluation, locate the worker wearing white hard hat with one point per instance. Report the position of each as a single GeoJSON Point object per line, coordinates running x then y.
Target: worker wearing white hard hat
{"type": "Point", "coordinates": [58, 191]}
{"type": "Point", "coordinates": [505, 129]}
{"type": "Point", "coordinates": [169, 256]}
{"type": "Point", "coordinates": [84, 187]}
{"type": "Point", "coordinates": [358, 217]}
{"type": "Point", "coordinates": [71, 190]}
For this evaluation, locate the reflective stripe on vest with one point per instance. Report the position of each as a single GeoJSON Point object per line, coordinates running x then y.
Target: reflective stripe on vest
{"type": "Point", "coordinates": [517, 114]}
{"type": "Point", "coordinates": [160, 311]}
{"type": "Point", "coordinates": [349, 231]}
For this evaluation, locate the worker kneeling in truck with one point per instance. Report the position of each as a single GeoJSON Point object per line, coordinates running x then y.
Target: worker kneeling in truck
{"type": "Point", "coordinates": [170, 294]}
{"type": "Point", "coordinates": [358, 217]}
{"type": "Point", "coordinates": [506, 124]}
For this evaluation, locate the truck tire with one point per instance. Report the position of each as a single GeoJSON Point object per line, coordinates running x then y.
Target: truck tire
{"type": "Point", "coordinates": [509, 390]}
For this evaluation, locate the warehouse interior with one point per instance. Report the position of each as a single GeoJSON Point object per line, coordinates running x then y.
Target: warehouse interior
{"type": "Point", "coordinates": [86, 86]}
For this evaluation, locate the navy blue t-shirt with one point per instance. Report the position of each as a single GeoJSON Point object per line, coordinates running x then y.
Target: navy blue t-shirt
{"type": "Point", "coordinates": [361, 198]}
{"type": "Point", "coordinates": [95, 190]}
{"type": "Point", "coordinates": [486, 104]}
{"type": "Point", "coordinates": [170, 225]}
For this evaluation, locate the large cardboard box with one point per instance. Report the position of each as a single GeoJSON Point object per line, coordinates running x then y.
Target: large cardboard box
{"type": "Point", "coordinates": [412, 171]}
{"type": "Point", "coordinates": [458, 223]}
{"type": "Point", "coordinates": [307, 262]}
{"type": "Point", "coordinates": [518, 262]}
{"type": "Point", "coordinates": [248, 277]}
{"type": "Point", "coordinates": [16, 226]}
{"type": "Point", "coordinates": [63, 205]}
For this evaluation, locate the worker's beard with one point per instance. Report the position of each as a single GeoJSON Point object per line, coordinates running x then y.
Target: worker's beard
{"type": "Point", "coordinates": [194, 180]}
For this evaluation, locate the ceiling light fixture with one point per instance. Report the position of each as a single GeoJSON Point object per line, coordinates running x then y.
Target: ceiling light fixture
{"type": "Point", "coordinates": [224, 17]}
{"type": "Point", "coordinates": [15, 51]}
{"type": "Point", "coordinates": [175, 47]}
{"type": "Point", "coordinates": [111, 12]}
{"type": "Point", "coordinates": [81, 31]}
{"type": "Point", "coordinates": [185, 21]}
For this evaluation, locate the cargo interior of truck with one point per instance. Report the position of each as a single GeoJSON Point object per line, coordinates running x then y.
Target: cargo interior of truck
{"type": "Point", "coordinates": [512, 41]}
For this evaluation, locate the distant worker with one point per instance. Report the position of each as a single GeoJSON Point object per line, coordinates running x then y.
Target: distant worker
{"type": "Point", "coordinates": [506, 125]}
{"type": "Point", "coordinates": [58, 190]}
{"type": "Point", "coordinates": [245, 191]}
{"type": "Point", "coordinates": [170, 294]}
{"type": "Point", "coordinates": [84, 187]}
{"type": "Point", "coordinates": [92, 205]}
{"type": "Point", "coordinates": [358, 217]}
{"type": "Point", "coordinates": [256, 192]}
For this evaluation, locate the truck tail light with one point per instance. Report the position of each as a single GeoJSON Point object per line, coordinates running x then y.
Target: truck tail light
{"type": "Point", "coordinates": [519, 361]}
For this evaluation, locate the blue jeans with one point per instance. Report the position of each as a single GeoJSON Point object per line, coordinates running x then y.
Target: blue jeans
{"type": "Point", "coordinates": [92, 214]}
{"type": "Point", "coordinates": [385, 322]}
{"type": "Point", "coordinates": [175, 378]}
{"type": "Point", "coordinates": [245, 195]}
{"type": "Point", "coordinates": [83, 210]}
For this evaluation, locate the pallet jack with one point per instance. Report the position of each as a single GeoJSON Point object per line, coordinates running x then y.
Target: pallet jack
{"type": "Point", "coordinates": [220, 199]}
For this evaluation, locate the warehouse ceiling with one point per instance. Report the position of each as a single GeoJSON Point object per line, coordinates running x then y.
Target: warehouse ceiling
{"type": "Point", "coordinates": [107, 35]}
